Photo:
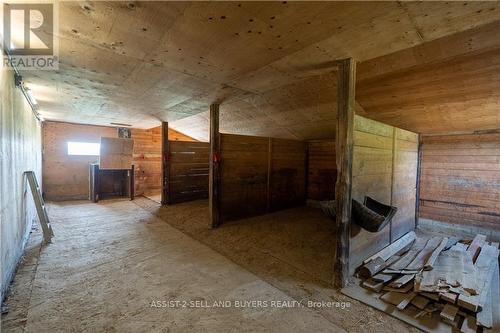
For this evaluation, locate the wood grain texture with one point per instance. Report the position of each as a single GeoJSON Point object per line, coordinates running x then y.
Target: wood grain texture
{"type": "Point", "coordinates": [464, 86]}
{"type": "Point", "coordinates": [66, 177]}
{"type": "Point", "coordinates": [260, 174]}
{"type": "Point", "coordinates": [243, 176]}
{"type": "Point", "coordinates": [147, 160]}
{"type": "Point", "coordinates": [346, 99]}
{"type": "Point", "coordinates": [215, 169]}
{"type": "Point", "coordinates": [148, 157]}
{"type": "Point", "coordinates": [371, 176]}
{"type": "Point", "coordinates": [164, 180]}
{"type": "Point", "coordinates": [322, 170]}
{"type": "Point", "coordinates": [267, 70]}
{"type": "Point", "coordinates": [188, 171]}
{"type": "Point", "coordinates": [287, 173]}
{"type": "Point", "coordinates": [384, 168]}
{"type": "Point", "coordinates": [460, 179]}
{"type": "Point", "coordinates": [405, 169]}
{"type": "Point", "coordinates": [116, 153]}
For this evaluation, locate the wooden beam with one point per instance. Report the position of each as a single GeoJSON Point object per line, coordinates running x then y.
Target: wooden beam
{"type": "Point", "coordinates": [269, 172]}
{"type": "Point", "coordinates": [132, 182]}
{"type": "Point", "coordinates": [417, 185]}
{"type": "Point", "coordinates": [94, 182]}
{"type": "Point", "coordinates": [165, 165]}
{"type": "Point", "coordinates": [344, 145]}
{"type": "Point", "coordinates": [215, 171]}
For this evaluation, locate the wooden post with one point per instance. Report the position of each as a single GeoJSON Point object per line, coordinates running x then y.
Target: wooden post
{"type": "Point", "coordinates": [214, 173]}
{"type": "Point", "coordinates": [393, 165]}
{"type": "Point", "coordinates": [344, 145]}
{"type": "Point", "coordinates": [417, 185]}
{"type": "Point", "coordinates": [132, 182]}
{"type": "Point", "coordinates": [306, 175]}
{"type": "Point", "coordinates": [269, 171]}
{"type": "Point", "coordinates": [165, 165]}
{"type": "Point", "coordinates": [94, 182]}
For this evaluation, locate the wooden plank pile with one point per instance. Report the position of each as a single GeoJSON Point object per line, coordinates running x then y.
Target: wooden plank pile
{"type": "Point", "coordinates": [442, 275]}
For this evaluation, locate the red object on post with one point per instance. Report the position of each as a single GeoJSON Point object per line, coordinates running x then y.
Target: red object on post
{"type": "Point", "coordinates": [217, 158]}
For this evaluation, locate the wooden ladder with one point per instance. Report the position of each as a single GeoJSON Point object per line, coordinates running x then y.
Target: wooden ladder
{"type": "Point", "coordinates": [40, 207]}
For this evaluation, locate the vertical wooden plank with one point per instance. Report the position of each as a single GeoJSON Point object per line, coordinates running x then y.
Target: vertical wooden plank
{"type": "Point", "coordinates": [321, 170]}
{"type": "Point", "coordinates": [419, 167]}
{"type": "Point", "coordinates": [269, 172]}
{"type": "Point", "coordinates": [94, 182]}
{"type": "Point", "coordinates": [188, 170]}
{"type": "Point", "coordinates": [165, 165]}
{"type": "Point", "coordinates": [344, 146]}
{"type": "Point", "coordinates": [306, 174]}
{"type": "Point", "coordinates": [132, 182]}
{"type": "Point", "coordinates": [394, 152]}
{"type": "Point", "coordinates": [214, 171]}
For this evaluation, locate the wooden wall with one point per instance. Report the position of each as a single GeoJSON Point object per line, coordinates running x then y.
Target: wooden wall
{"type": "Point", "coordinates": [260, 174]}
{"type": "Point", "coordinates": [404, 191]}
{"type": "Point", "coordinates": [384, 168]}
{"type": "Point", "coordinates": [116, 153]}
{"type": "Point", "coordinates": [321, 170]}
{"type": "Point", "coordinates": [67, 177]}
{"type": "Point", "coordinates": [460, 179]}
{"type": "Point", "coordinates": [147, 158]}
{"type": "Point", "coordinates": [188, 173]}
{"type": "Point", "coordinates": [287, 173]}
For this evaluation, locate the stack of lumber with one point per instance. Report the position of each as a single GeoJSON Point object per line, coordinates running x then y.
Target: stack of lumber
{"type": "Point", "coordinates": [442, 275]}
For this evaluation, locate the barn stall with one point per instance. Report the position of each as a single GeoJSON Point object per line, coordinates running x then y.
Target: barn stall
{"type": "Point", "coordinates": [435, 278]}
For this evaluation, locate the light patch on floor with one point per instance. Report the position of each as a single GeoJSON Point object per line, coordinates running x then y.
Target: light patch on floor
{"type": "Point", "coordinates": [292, 250]}
{"type": "Point", "coordinates": [156, 197]}
{"type": "Point", "coordinates": [110, 260]}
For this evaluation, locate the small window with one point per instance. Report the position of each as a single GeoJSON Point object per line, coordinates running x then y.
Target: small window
{"type": "Point", "coordinates": [83, 148]}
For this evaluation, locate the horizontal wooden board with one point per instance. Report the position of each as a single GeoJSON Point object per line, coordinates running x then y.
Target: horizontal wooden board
{"type": "Point", "coordinates": [244, 176]}
{"type": "Point", "coordinates": [461, 152]}
{"type": "Point", "coordinates": [384, 167]}
{"type": "Point", "coordinates": [364, 139]}
{"type": "Point", "coordinates": [322, 170]}
{"type": "Point", "coordinates": [189, 170]}
{"type": "Point", "coordinates": [288, 174]}
{"type": "Point", "coordinates": [371, 126]}
{"type": "Point", "coordinates": [460, 179]}
{"type": "Point", "coordinates": [260, 174]}
{"type": "Point", "coordinates": [479, 166]}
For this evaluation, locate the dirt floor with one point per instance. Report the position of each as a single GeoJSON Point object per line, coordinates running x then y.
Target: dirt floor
{"type": "Point", "coordinates": [156, 197]}
{"type": "Point", "coordinates": [114, 265]}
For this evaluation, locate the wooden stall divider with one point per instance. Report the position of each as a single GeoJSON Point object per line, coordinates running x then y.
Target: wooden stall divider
{"type": "Point", "coordinates": [165, 165]}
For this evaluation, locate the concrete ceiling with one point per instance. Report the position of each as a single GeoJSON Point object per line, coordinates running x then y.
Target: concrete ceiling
{"type": "Point", "coordinates": [270, 64]}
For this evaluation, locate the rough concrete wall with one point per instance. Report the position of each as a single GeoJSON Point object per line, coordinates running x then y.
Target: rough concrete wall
{"type": "Point", "coordinates": [20, 143]}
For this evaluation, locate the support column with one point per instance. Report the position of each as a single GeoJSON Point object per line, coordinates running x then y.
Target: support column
{"type": "Point", "coordinates": [165, 165]}
{"type": "Point", "coordinates": [344, 146]}
{"type": "Point", "coordinates": [269, 172]}
{"type": "Point", "coordinates": [214, 174]}
{"type": "Point", "coordinates": [417, 185]}
{"type": "Point", "coordinates": [131, 173]}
